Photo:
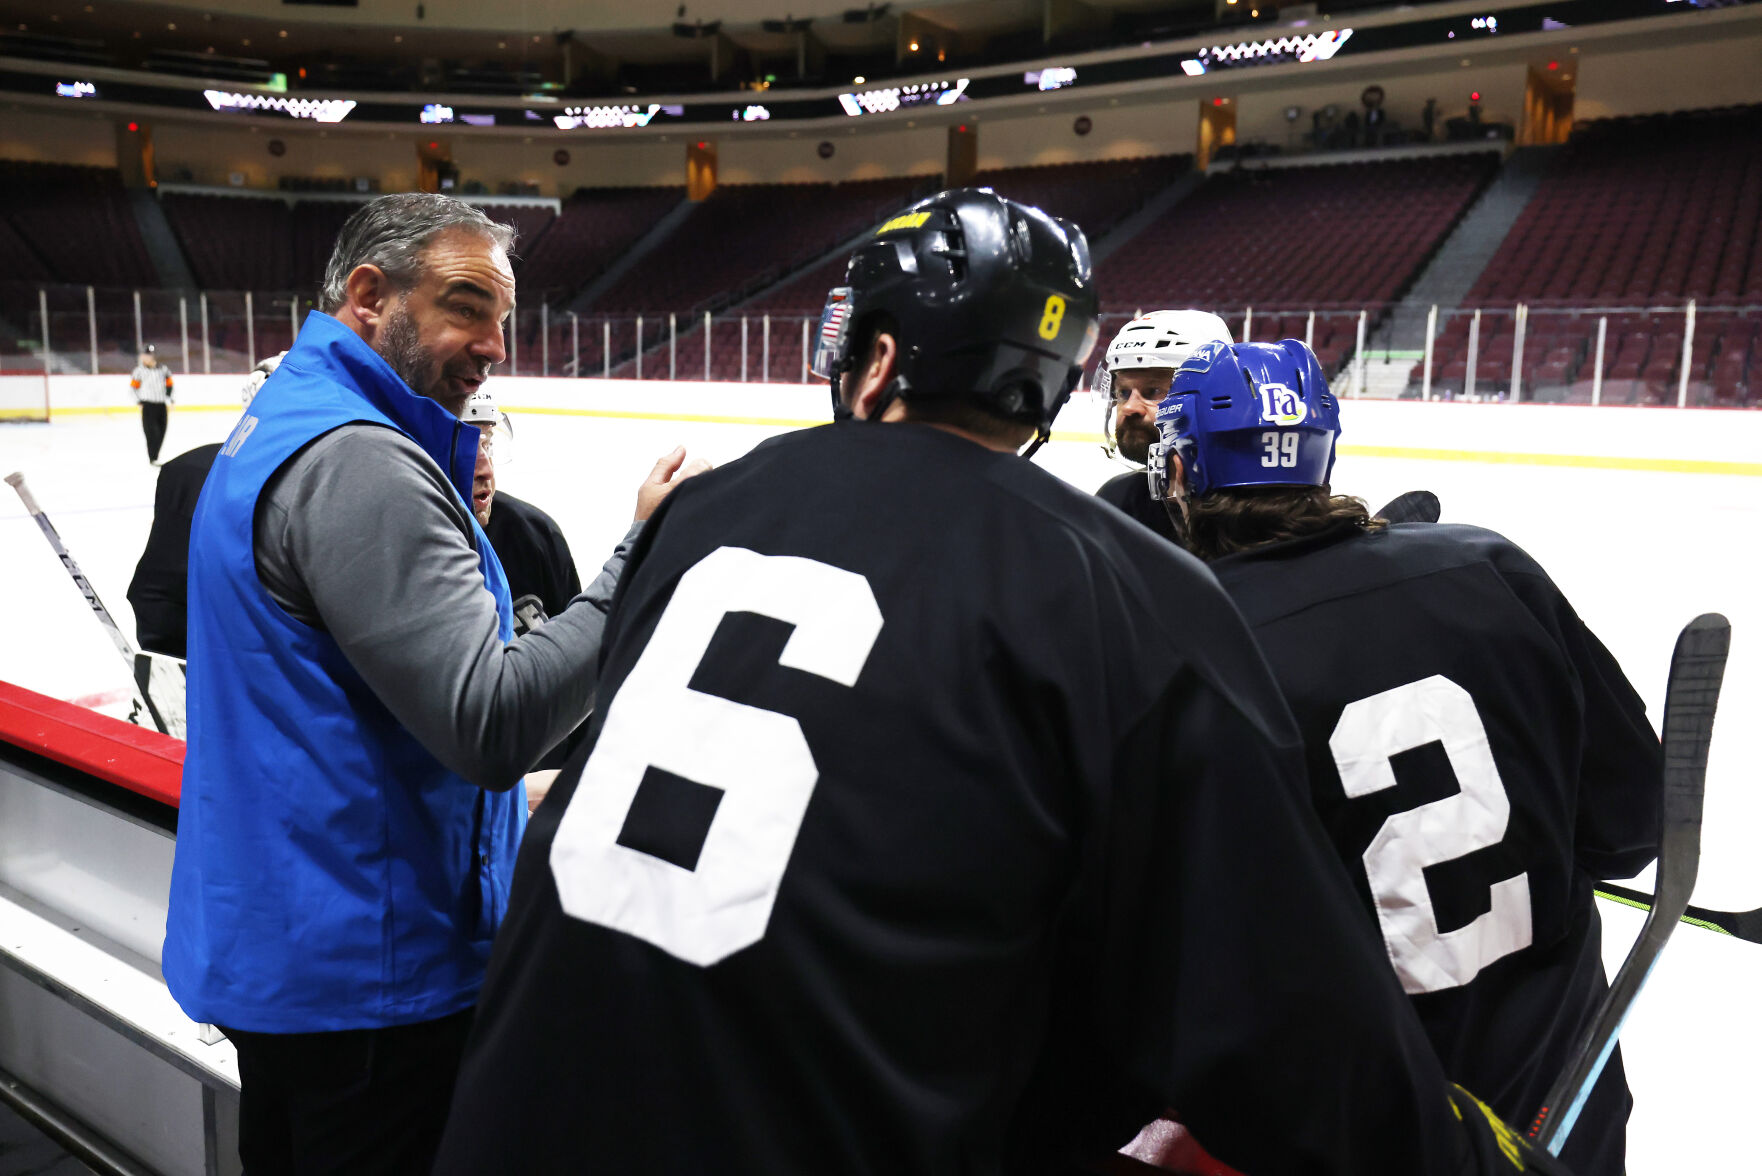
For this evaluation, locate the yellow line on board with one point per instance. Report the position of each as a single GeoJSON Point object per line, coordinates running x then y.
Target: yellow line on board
{"type": "Point", "coordinates": [1744, 469]}
{"type": "Point", "coordinates": [686, 417]}
{"type": "Point", "coordinates": [1669, 465]}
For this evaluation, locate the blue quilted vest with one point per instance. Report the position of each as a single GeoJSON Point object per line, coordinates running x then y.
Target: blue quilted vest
{"type": "Point", "coordinates": [330, 873]}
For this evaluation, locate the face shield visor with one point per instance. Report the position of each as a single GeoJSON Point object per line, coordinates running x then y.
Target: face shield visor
{"type": "Point", "coordinates": [833, 337]}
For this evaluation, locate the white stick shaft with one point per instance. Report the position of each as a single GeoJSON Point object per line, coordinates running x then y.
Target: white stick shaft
{"type": "Point", "coordinates": [16, 481]}
{"type": "Point", "coordinates": [123, 645]}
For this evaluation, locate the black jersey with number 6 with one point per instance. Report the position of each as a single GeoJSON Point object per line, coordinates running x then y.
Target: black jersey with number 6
{"type": "Point", "coordinates": [935, 818]}
{"type": "Point", "coordinates": [1479, 758]}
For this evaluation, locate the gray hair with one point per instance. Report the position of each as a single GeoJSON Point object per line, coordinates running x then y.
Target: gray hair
{"type": "Point", "coordinates": [392, 232]}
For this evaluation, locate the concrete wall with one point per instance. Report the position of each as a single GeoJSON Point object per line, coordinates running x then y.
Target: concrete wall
{"type": "Point", "coordinates": [58, 138]}
{"type": "Point", "coordinates": [1677, 77]}
{"type": "Point", "coordinates": [872, 154]}
{"type": "Point", "coordinates": [211, 153]}
{"type": "Point", "coordinates": [1129, 130]}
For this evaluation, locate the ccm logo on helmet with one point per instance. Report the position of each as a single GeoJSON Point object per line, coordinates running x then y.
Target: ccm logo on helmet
{"type": "Point", "coordinates": [1281, 406]}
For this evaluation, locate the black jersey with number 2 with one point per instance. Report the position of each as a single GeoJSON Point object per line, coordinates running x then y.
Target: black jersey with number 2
{"type": "Point", "coordinates": [935, 818]}
{"type": "Point", "coordinates": [1479, 758]}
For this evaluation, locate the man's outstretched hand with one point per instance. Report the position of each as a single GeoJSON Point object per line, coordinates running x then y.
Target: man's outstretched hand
{"type": "Point", "coordinates": [661, 480]}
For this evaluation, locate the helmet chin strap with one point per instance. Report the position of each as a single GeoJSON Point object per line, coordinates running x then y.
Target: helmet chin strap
{"type": "Point", "coordinates": [898, 388]}
{"type": "Point", "coordinates": [840, 410]}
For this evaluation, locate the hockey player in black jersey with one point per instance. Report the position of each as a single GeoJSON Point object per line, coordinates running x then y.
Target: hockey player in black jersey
{"type": "Point", "coordinates": [1476, 754]}
{"type": "Point", "coordinates": [1136, 371]}
{"type": "Point", "coordinates": [908, 836]}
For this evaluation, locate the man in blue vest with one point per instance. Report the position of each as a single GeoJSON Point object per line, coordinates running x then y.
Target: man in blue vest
{"type": "Point", "coordinates": [360, 712]}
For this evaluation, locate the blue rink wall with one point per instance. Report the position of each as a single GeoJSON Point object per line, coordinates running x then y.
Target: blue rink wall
{"type": "Point", "coordinates": [1645, 517]}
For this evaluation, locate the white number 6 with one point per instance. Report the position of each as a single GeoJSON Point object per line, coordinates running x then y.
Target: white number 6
{"type": "Point", "coordinates": [1369, 732]}
{"type": "Point", "coordinates": [758, 758]}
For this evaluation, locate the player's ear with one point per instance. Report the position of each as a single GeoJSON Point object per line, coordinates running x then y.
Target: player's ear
{"type": "Point", "coordinates": [874, 376]}
{"type": "Point", "coordinates": [367, 294]}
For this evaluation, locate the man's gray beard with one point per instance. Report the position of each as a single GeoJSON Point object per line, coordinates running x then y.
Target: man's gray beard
{"type": "Point", "coordinates": [400, 345]}
{"type": "Point", "coordinates": [1134, 442]}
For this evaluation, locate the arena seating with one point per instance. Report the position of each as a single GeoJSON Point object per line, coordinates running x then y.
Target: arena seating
{"type": "Point", "coordinates": [746, 236]}
{"type": "Point", "coordinates": [1636, 212]}
{"type": "Point", "coordinates": [1340, 236]}
{"type": "Point", "coordinates": [233, 242]}
{"type": "Point", "coordinates": [596, 225]}
{"type": "Point", "coordinates": [77, 221]}
{"type": "Point", "coordinates": [1095, 195]}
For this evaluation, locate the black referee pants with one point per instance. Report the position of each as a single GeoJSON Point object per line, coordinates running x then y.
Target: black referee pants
{"type": "Point", "coordinates": [153, 424]}
{"type": "Point", "coordinates": [360, 1102]}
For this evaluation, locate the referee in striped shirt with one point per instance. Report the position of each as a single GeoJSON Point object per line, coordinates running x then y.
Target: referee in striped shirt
{"type": "Point", "coordinates": [151, 381]}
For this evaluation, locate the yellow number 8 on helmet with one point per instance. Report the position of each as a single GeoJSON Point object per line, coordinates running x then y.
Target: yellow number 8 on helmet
{"type": "Point", "coordinates": [1052, 316]}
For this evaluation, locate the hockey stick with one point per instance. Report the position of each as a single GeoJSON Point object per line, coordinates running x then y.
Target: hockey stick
{"type": "Point", "coordinates": [143, 703]}
{"type": "Point", "coordinates": [1737, 924]}
{"type": "Point", "coordinates": [1415, 506]}
{"type": "Point", "coordinates": [1696, 670]}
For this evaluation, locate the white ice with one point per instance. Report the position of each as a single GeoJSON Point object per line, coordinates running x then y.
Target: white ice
{"type": "Point", "coordinates": [1638, 553]}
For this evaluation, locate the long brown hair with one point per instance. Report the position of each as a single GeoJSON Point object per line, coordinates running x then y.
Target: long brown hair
{"type": "Point", "coordinates": [1227, 521]}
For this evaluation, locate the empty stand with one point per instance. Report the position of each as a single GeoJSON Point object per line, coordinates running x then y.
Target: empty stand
{"type": "Point", "coordinates": [77, 221]}
{"type": "Point", "coordinates": [1097, 196]}
{"type": "Point", "coordinates": [1636, 213]}
{"type": "Point", "coordinates": [744, 237]}
{"type": "Point", "coordinates": [233, 242]}
{"type": "Point", "coordinates": [595, 226]}
{"type": "Point", "coordinates": [1640, 211]}
{"type": "Point", "coordinates": [1341, 236]}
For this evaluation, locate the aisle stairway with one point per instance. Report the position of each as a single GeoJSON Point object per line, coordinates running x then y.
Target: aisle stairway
{"type": "Point", "coordinates": [1465, 253]}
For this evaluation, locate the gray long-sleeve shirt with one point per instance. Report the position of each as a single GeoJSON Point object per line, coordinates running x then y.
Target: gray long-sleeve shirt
{"type": "Point", "coordinates": [361, 535]}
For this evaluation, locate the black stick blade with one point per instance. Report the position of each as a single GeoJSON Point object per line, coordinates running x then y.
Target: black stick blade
{"type": "Point", "coordinates": [1697, 669]}
{"type": "Point", "coordinates": [1415, 506]}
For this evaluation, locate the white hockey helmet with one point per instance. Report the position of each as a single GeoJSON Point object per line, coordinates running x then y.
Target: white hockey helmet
{"type": "Point", "coordinates": [1160, 339]}
{"type": "Point", "coordinates": [481, 412]}
{"type": "Point", "coordinates": [480, 409]}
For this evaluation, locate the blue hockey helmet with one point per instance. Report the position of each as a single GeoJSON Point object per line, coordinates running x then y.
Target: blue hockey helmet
{"type": "Point", "coordinates": [1246, 414]}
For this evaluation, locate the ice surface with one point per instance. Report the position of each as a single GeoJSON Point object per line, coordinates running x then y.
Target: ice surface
{"type": "Point", "coordinates": [1638, 553]}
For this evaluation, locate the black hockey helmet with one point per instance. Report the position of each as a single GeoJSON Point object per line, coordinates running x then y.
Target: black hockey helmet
{"type": "Point", "coordinates": [994, 301]}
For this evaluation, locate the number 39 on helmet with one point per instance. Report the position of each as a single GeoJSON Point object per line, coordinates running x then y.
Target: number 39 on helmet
{"type": "Point", "coordinates": [1246, 414]}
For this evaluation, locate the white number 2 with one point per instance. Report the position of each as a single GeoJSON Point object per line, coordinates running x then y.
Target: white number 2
{"type": "Point", "coordinates": [1281, 450]}
{"type": "Point", "coordinates": [757, 758]}
{"type": "Point", "coordinates": [1370, 731]}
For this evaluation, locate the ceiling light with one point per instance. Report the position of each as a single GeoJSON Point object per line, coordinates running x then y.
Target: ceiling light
{"type": "Point", "coordinates": [914, 46]}
{"type": "Point", "coordinates": [858, 81]}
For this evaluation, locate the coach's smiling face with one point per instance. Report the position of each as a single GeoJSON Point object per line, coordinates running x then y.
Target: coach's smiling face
{"type": "Point", "coordinates": [444, 333]}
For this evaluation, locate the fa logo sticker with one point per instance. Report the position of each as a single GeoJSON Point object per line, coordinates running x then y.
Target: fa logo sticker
{"type": "Point", "coordinates": [1281, 406]}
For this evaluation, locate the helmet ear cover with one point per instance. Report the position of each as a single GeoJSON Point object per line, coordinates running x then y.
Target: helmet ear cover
{"type": "Point", "coordinates": [991, 302]}
{"type": "Point", "coordinates": [1247, 414]}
